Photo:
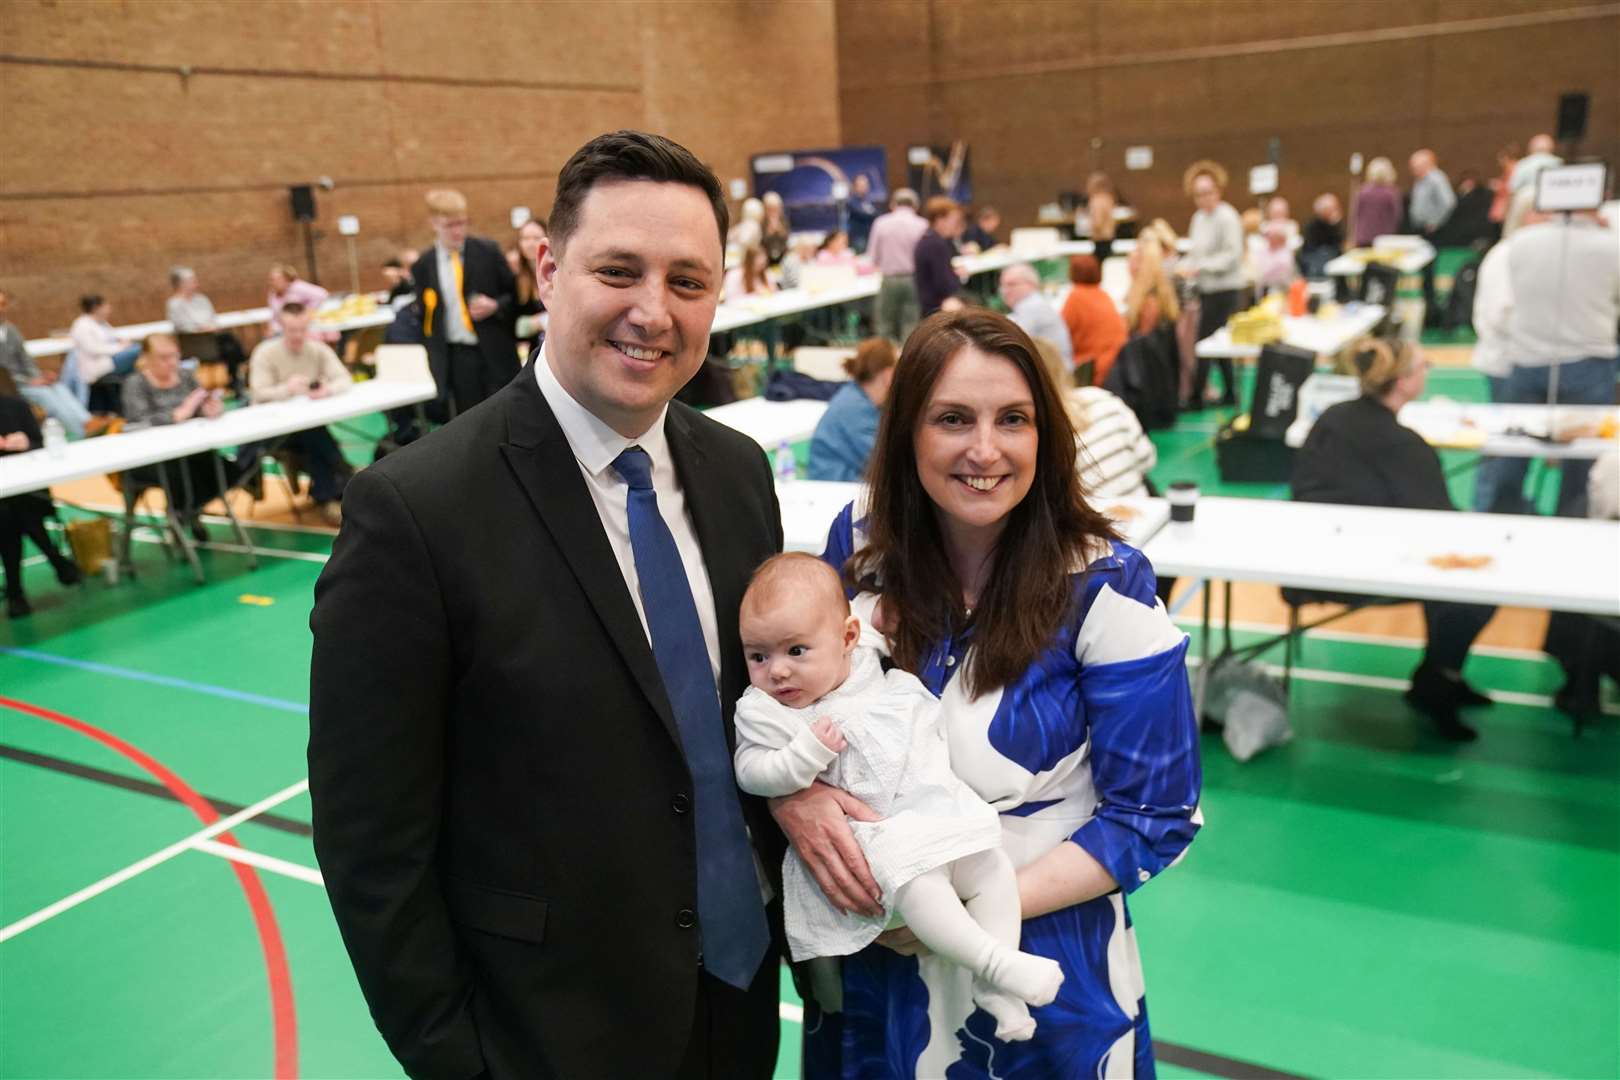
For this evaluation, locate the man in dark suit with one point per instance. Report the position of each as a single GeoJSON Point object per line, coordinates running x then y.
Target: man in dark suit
{"type": "Point", "coordinates": [523, 800]}
{"type": "Point", "coordinates": [466, 293]}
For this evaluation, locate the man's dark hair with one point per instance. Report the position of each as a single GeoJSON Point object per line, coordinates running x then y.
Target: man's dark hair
{"type": "Point", "coordinates": [629, 155]}
{"type": "Point", "coordinates": [89, 303]}
{"type": "Point", "coordinates": [293, 308]}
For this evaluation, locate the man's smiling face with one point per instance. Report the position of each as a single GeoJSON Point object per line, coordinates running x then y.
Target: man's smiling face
{"type": "Point", "coordinates": [631, 298]}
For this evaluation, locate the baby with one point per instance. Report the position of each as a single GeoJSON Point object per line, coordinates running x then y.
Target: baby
{"type": "Point", "coordinates": [822, 708]}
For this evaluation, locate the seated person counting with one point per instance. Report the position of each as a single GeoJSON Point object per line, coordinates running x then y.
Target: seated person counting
{"type": "Point", "coordinates": [192, 312]}
{"type": "Point", "coordinates": [1358, 454]}
{"type": "Point", "coordinates": [844, 435]}
{"type": "Point", "coordinates": [161, 392]}
{"type": "Point", "coordinates": [296, 365]}
{"type": "Point", "coordinates": [42, 388]}
{"type": "Point", "coordinates": [822, 707]}
{"type": "Point", "coordinates": [1096, 332]}
{"type": "Point", "coordinates": [750, 277]}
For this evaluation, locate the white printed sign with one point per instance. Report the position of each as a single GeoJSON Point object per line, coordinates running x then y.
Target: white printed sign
{"type": "Point", "coordinates": [349, 225]}
{"type": "Point", "coordinates": [739, 188]}
{"type": "Point", "coordinates": [520, 216]}
{"type": "Point", "coordinates": [1138, 157]}
{"type": "Point", "coordinates": [1571, 187]}
{"type": "Point", "coordinates": [773, 163]}
{"type": "Point", "coordinates": [1262, 180]}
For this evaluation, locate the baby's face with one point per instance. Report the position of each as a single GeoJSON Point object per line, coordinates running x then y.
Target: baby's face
{"type": "Point", "coordinates": [798, 651]}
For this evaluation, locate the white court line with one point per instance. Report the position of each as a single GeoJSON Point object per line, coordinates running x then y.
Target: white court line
{"type": "Point", "coordinates": [262, 862]}
{"type": "Point", "coordinates": [1382, 682]}
{"type": "Point", "coordinates": [1357, 637]}
{"type": "Point", "coordinates": [155, 859]}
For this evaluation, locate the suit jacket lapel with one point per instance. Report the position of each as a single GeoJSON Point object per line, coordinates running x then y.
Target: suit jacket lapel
{"type": "Point", "coordinates": [708, 499]}
{"type": "Point", "coordinates": [544, 465]}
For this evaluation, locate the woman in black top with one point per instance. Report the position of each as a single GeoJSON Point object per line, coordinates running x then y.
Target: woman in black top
{"type": "Point", "coordinates": [526, 304]}
{"type": "Point", "coordinates": [1358, 454]}
{"type": "Point", "coordinates": [937, 280]}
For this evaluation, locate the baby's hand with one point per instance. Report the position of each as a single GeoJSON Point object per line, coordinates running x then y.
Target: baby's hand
{"type": "Point", "coordinates": [825, 730]}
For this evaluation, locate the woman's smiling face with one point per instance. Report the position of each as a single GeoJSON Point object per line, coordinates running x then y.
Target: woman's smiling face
{"type": "Point", "coordinates": [976, 443]}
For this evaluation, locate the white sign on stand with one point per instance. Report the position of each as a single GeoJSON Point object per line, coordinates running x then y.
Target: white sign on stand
{"type": "Point", "coordinates": [1355, 164]}
{"type": "Point", "coordinates": [1571, 187]}
{"type": "Point", "coordinates": [1262, 180]}
{"type": "Point", "coordinates": [1138, 158]}
{"type": "Point", "coordinates": [739, 188]}
{"type": "Point", "coordinates": [349, 225]}
{"type": "Point", "coordinates": [521, 216]}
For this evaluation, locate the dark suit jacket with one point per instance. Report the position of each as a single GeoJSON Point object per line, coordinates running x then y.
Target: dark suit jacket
{"type": "Point", "coordinates": [501, 805]}
{"type": "Point", "coordinates": [483, 270]}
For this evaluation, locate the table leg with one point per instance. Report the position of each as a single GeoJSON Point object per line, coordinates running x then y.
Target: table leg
{"type": "Point", "coordinates": [230, 512]}
{"type": "Point", "coordinates": [1203, 653]}
{"type": "Point", "coordinates": [187, 547]}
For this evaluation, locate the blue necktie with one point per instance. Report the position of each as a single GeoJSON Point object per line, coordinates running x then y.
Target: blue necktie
{"type": "Point", "coordinates": [731, 915]}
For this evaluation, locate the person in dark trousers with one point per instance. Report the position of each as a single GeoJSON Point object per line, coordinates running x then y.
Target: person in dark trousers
{"type": "Point", "coordinates": [524, 804]}
{"type": "Point", "coordinates": [25, 514]}
{"type": "Point", "coordinates": [1215, 263]}
{"type": "Point", "coordinates": [1358, 454]}
{"type": "Point", "coordinates": [938, 284]}
{"type": "Point", "coordinates": [466, 292]}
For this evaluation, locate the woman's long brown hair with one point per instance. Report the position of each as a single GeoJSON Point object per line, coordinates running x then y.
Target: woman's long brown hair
{"type": "Point", "coordinates": [1046, 535]}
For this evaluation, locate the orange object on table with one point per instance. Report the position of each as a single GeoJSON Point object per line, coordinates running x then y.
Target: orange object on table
{"type": "Point", "coordinates": [1297, 298]}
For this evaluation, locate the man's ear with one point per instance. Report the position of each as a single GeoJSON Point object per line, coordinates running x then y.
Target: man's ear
{"type": "Point", "coordinates": [545, 271]}
{"type": "Point", "coordinates": [852, 633]}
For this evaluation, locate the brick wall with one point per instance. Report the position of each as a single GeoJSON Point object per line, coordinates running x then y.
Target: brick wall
{"type": "Point", "coordinates": [119, 164]}
{"type": "Point", "coordinates": [1030, 86]}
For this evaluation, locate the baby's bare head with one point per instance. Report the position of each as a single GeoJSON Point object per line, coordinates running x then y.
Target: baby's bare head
{"type": "Point", "coordinates": [797, 630]}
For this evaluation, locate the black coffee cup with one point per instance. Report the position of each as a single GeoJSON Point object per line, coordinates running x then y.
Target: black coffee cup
{"type": "Point", "coordinates": [1183, 498]}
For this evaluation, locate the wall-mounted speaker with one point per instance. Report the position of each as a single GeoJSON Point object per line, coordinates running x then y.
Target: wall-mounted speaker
{"type": "Point", "coordinates": [1572, 116]}
{"type": "Point", "coordinates": [302, 197]}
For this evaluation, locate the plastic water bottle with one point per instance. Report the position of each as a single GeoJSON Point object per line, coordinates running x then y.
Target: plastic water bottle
{"type": "Point", "coordinates": [55, 437]}
{"type": "Point", "coordinates": [787, 466]}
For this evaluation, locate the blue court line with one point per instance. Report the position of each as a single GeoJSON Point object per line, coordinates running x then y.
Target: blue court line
{"type": "Point", "coordinates": [158, 680]}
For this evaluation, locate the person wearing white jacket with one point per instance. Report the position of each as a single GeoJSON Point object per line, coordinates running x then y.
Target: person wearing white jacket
{"type": "Point", "coordinates": [96, 344]}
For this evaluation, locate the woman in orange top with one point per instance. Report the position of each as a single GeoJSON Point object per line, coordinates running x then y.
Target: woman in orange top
{"type": "Point", "coordinates": [1095, 328]}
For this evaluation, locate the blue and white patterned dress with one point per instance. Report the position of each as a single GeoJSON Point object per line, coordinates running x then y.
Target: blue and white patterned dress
{"type": "Point", "coordinates": [1097, 743]}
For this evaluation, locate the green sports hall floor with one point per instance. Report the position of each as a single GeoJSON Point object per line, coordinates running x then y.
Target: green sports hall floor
{"type": "Point", "coordinates": [1364, 902]}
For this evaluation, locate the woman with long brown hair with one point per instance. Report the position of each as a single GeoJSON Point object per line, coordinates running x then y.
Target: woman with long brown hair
{"type": "Point", "coordinates": [1065, 705]}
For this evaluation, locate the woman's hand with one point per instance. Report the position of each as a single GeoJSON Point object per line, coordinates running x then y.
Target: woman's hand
{"type": "Point", "coordinates": [904, 942]}
{"type": "Point", "coordinates": [188, 408]}
{"type": "Point", "coordinates": [16, 442]}
{"type": "Point", "coordinates": [815, 821]}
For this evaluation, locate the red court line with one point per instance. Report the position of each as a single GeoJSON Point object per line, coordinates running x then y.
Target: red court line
{"type": "Point", "coordinates": [284, 1015]}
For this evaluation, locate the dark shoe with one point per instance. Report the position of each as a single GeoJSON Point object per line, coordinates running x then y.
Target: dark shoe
{"type": "Point", "coordinates": [68, 573]}
{"type": "Point", "coordinates": [1435, 696]}
{"type": "Point", "coordinates": [17, 606]}
{"type": "Point", "coordinates": [1467, 695]}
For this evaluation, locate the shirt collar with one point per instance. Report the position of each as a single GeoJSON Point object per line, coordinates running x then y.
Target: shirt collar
{"type": "Point", "coordinates": [593, 442]}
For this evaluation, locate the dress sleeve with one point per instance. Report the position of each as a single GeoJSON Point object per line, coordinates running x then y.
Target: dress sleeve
{"type": "Point", "coordinates": [840, 539]}
{"type": "Point", "coordinates": [1143, 731]}
{"type": "Point", "coordinates": [777, 754]}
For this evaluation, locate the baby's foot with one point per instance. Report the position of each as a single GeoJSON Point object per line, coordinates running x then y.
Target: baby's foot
{"type": "Point", "coordinates": [1013, 1022]}
{"type": "Point", "coordinates": [1030, 978]}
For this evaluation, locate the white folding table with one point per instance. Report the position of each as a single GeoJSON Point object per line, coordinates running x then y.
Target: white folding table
{"type": "Point", "coordinates": [38, 469]}
{"type": "Point", "coordinates": [1324, 337]}
{"type": "Point", "coordinates": [771, 423]}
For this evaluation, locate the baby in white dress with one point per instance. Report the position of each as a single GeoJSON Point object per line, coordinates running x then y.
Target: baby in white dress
{"type": "Point", "coordinates": [821, 707]}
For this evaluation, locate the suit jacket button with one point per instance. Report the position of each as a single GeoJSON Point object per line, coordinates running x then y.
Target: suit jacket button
{"type": "Point", "coordinates": [680, 804]}
{"type": "Point", "coordinates": [686, 918]}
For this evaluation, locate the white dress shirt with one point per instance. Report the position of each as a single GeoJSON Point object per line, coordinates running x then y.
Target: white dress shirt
{"type": "Point", "coordinates": [595, 445]}
{"type": "Point", "coordinates": [455, 330]}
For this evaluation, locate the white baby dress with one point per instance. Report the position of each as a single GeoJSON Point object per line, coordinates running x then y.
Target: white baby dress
{"type": "Point", "coordinates": [896, 762]}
